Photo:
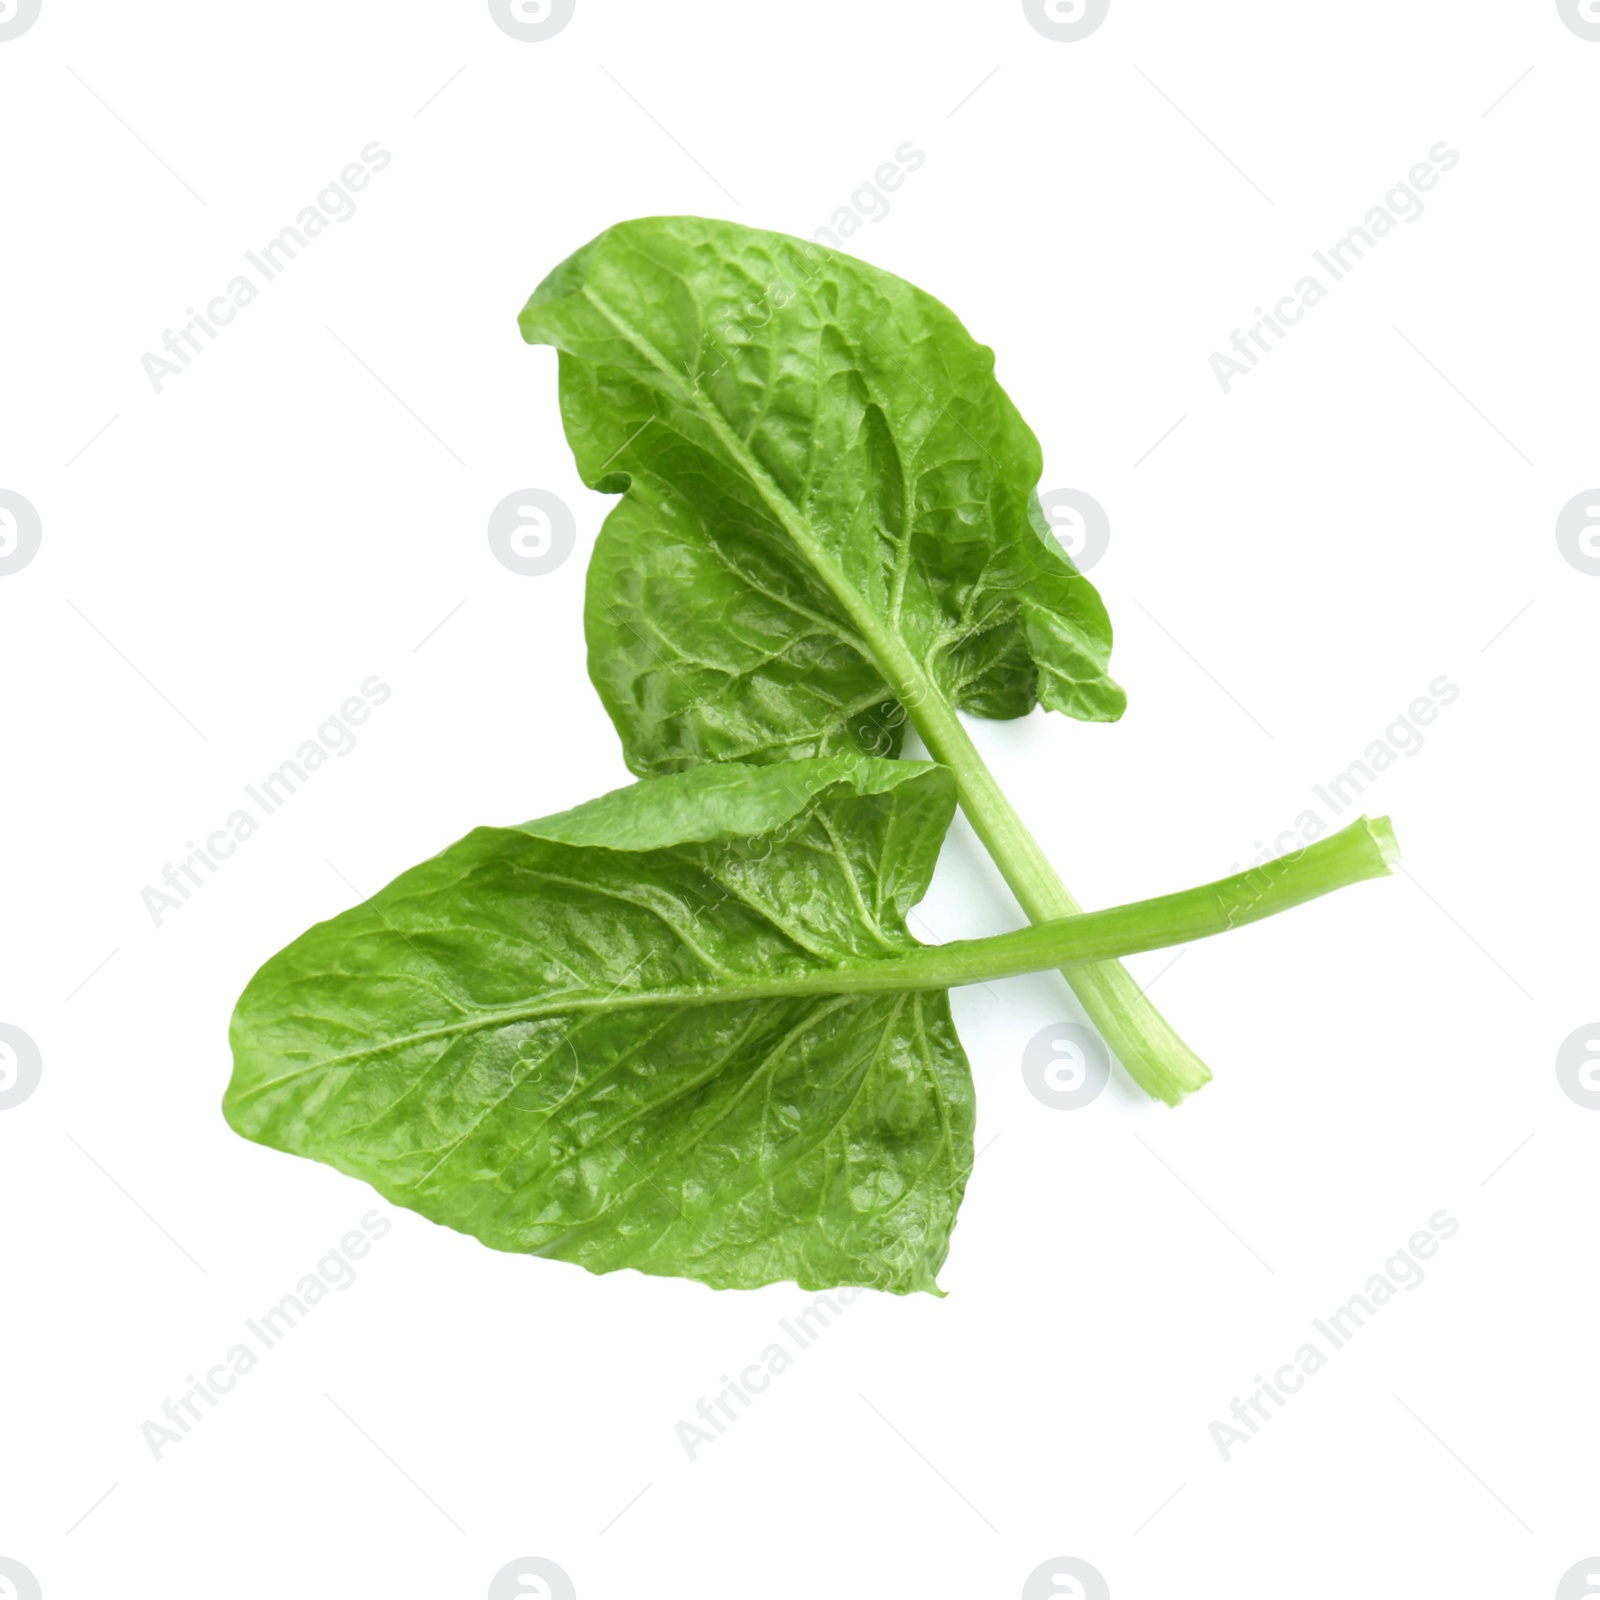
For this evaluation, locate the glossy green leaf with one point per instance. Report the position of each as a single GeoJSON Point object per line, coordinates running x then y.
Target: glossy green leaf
{"type": "Point", "coordinates": [561, 1038]}
{"type": "Point", "coordinates": [830, 509]}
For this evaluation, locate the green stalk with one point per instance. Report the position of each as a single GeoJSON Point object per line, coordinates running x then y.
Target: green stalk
{"type": "Point", "coordinates": [1142, 1039]}
{"type": "Point", "coordinates": [1078, 943]}
{"type": "Point", "coordinates": [1084, 942]}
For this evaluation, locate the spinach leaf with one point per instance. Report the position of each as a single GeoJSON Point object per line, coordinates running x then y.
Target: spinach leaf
{"type": "Point", "coordinates": [829, 524]}
{"type": "Point", "coordinates": [570, 1038]}
{"type": "Point", "coordinates": [832, 502]}
{"type": "Point", "coordinates": [682, 1028]}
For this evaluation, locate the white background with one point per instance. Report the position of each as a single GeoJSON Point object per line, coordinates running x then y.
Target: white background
{"type": "Point", "coordinates": [229, 559]}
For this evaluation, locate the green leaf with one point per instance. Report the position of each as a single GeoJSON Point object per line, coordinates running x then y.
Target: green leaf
{"type": "Point", "coordinates": [830, 509]}
{"type": "Point", "coordinates": [562, 1038]}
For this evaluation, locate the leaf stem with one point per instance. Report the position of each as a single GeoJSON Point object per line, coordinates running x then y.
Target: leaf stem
{"type": "Point", "coordinates": [1084, 942]}
{"type": "Point", "coordinates": [1143, 1040]}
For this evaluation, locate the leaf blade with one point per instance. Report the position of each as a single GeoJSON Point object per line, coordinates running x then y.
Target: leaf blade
{"type": "Point", "coordinates": [800, 434]}
{"type": "Point", "coordinates": [525, 1037]}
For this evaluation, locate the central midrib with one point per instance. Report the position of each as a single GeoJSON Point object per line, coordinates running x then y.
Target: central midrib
{"type": "Point", "coordinates": [810, 983]}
